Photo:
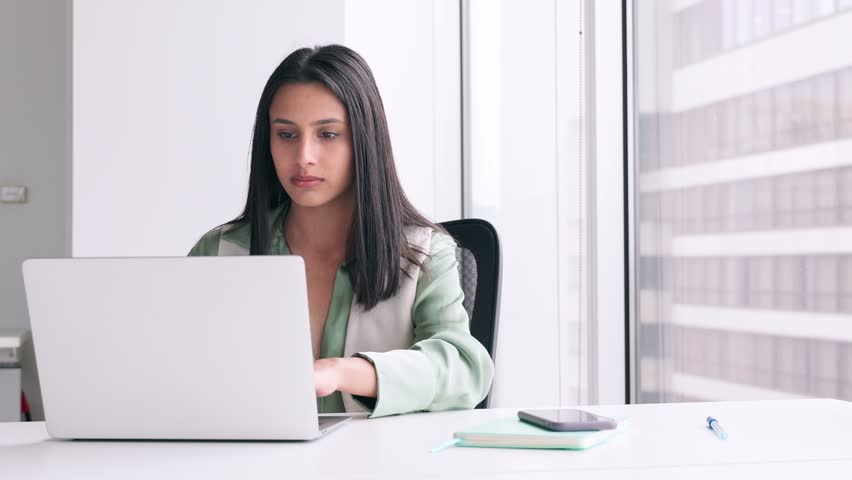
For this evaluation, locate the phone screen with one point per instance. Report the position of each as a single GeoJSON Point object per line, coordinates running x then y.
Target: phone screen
{"type": "Point", "coordinates": [567, 415]}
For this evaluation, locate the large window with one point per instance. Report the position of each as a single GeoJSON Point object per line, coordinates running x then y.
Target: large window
{"type": "Point", "coordinates": [743, 200]}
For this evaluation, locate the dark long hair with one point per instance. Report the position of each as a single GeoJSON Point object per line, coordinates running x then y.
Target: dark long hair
{"type": "Point", "coordinates": [376, 245]}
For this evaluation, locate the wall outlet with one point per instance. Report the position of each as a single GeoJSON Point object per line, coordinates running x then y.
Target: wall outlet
{"type": "Point", "coordinates": [13, 194]}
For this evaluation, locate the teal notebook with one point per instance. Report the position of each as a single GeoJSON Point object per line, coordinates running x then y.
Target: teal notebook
{"type": "Point", "coordinates": [513, 433]}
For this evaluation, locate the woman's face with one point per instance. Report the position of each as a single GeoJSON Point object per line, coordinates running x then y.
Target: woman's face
{"type": "Point", "coordinates": [311, 144]}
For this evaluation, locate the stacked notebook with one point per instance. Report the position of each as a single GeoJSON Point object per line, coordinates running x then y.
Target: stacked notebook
{"type": "Point", "coordinates": [513, 433]}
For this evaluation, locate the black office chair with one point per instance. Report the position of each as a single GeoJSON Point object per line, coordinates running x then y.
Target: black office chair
{"type": "Point", "coordinates": [479, 269]}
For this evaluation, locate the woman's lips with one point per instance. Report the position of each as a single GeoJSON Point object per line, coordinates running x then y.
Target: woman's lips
{"type": "Point", "coordinates": [306, 181]}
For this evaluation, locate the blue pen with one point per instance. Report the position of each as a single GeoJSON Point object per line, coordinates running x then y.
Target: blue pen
{"type": "Point", "coordinates": [717, 428]}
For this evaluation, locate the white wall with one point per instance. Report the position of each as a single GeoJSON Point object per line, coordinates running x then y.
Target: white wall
{"type": "Point", "coordinates": [413, 50]}
{"type": "Point", "coordinates": [164, 100]}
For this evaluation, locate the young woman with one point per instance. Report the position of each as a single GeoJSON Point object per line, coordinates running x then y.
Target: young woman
{"type": "Point", "coordinates": [389, 332]}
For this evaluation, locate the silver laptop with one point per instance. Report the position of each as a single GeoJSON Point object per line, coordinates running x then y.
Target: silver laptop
{"type": "Point", "coordinates": [213, 348]}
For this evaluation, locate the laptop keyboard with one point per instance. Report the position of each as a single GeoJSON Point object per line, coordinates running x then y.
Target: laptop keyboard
{"type": "Point", "coordinates": [328, 421]}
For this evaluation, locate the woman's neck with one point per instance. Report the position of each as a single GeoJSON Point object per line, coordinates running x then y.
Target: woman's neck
{"type": "Point", "coordinates": [322, 230]}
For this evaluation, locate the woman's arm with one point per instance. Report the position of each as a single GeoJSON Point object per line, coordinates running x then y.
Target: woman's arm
{"type": "Point", "coordinates": [446, 368]}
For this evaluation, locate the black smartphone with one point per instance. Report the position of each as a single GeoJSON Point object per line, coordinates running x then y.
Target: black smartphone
{"type": "Point", "coordinates": [567, 420]}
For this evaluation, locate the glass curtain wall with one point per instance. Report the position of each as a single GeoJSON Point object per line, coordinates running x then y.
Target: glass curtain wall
{"type": "Point", "coordinates": [743, 203]}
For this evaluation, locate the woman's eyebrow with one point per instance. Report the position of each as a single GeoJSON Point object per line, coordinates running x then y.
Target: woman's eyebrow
{"type": "Point", "coordinates": [324, 121]}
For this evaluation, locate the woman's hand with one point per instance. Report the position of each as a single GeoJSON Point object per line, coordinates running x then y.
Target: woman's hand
{"type": "Point", "coordinates": [328, 376]}
{"type": "Point", "coordinates": [353, 375]}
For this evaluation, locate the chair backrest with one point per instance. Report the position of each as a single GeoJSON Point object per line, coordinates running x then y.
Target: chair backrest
{"type": "Point", "coordinates": [479, 270]}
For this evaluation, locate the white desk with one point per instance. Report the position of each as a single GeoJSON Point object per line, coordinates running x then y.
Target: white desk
{"type": "Point", "coordinates": [784, 439]}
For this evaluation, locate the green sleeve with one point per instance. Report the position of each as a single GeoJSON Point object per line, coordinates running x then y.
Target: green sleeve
{"type": "Point", "coordinates": [446, 368]}
{"type": "Point", "coordinates": [208, 245]}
